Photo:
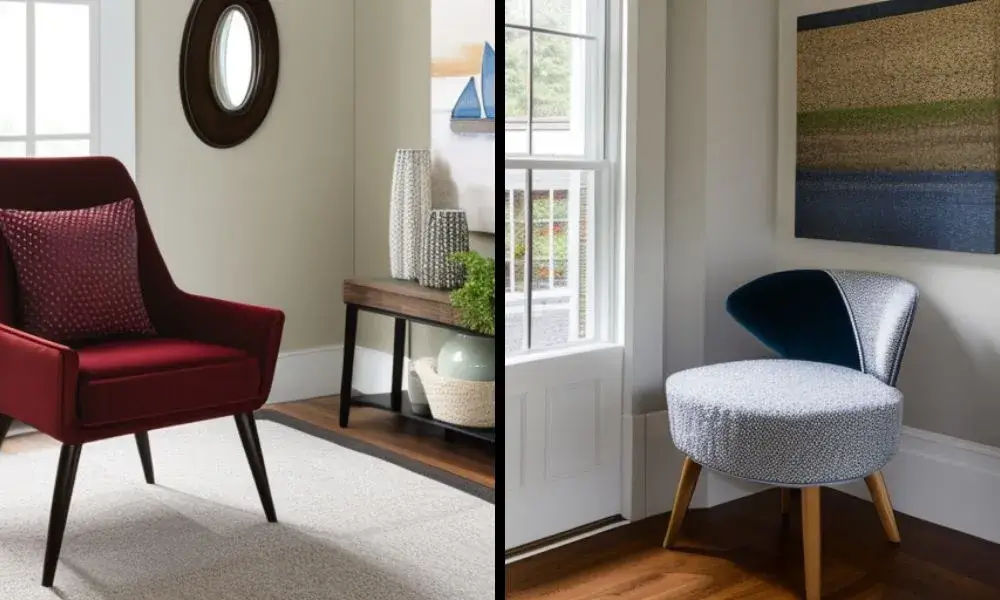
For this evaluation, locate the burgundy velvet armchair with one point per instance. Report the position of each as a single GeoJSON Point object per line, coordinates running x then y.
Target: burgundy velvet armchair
{"type": "Point", "coordinates": [210, 358]}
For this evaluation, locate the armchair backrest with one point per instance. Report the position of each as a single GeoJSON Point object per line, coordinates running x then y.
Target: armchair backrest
{"type": "Point", "coordinates": [47, 184]}
{"type": "Point", "coordinates": [855, 319]}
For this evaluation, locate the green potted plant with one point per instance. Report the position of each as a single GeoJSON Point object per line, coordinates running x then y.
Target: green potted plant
{"type": "Point", "coordinates": [473, 357]}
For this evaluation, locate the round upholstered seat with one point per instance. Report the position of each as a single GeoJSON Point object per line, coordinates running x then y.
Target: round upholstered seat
{"type": "Point", "coordinates": [785, 422]}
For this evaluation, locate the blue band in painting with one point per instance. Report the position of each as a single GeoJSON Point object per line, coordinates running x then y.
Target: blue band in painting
{"type": "Point", "coordinates": [867, 12]}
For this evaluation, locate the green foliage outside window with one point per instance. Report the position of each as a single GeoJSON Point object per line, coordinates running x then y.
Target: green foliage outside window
{"type": "Point", "coordinates": [552, 71]}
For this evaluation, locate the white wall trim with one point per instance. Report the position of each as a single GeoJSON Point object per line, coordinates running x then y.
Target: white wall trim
{"type": "Point", "coordinates": [948, 481]}
{"type": "Point", "coordinates": [663, 467]}
{"type": "Point", "coordinates": [634, 467]}
{"type": "Point", "coordinates": [373, 371]}
{"type": "Point", "coordinates": [936, 478]}
{"type": "Point", "coordinates": [309, 373]}
{"type": "Point", "coordinates": [316, 372]}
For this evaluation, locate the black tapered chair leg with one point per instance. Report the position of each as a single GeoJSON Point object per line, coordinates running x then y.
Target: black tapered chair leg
{"type": "Point", "coordinates": [69, 461]}
{"type": "Point", "coordinates": [142, 441]}
{"type": "Point", "coordinates": [247, 426]}
{"type": "Point", "coordinates": [5, 423]}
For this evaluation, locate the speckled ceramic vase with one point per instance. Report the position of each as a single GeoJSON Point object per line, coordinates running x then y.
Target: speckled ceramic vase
{"type": "Point", "coordinates": [447, 234]}
{"type": "Point", "coordinates": [408, 212]}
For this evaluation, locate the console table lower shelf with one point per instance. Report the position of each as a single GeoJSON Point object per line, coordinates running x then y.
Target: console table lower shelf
{"type": "Point", "coordinates": [404, 301]}
{"type": "Point", "coordinates": [384, 402]}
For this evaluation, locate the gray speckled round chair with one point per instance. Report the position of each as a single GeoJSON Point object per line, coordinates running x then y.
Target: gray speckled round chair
{"type": "Point", "coordinates": [826, 412]}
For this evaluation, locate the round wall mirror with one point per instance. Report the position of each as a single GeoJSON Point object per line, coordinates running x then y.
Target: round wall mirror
{"type": "Point", "coordinates": [229, 69]}
{"type": "Point", "coordinates": [234, 59]}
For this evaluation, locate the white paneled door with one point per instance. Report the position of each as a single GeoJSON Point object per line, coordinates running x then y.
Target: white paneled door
{"type": "Point", "coordinates": [562, 443]}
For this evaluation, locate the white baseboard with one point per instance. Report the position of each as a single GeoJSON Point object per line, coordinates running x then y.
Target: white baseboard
{"type": "Point", "coordinates": [944, 480]}
{"type": "Point", "coordinates": [936, 478]}
{"type": "Point", "coordinates": [309, 373]}
{"type": "Point", "coordinates": [663, 467]}
{"type": "Point", "coordinates": [634, 467]}
{"type": "Point", "coordinates": [373, 371]}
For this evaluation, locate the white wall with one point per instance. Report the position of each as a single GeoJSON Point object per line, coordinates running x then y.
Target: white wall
{"type": "Point", "coordinates": [270, 221]}
{"type": "Point", "coordinates": [392, 96]}
{"type": "Point", "coordinates": [728, 221]}
{"type": "Point", "coordinates": [951, 373]}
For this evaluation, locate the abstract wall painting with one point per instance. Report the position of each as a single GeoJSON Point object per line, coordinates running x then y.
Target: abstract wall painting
{"type": "Point", "coordinates": [898, 124]}
{"type": "Point", "coordinates": [463, 108]}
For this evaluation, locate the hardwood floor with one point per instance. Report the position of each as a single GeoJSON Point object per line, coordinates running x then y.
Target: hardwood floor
{"type": "Point", "coordinates": [471, 460]}
{"type": "Point", "coordinates": [746, 550]}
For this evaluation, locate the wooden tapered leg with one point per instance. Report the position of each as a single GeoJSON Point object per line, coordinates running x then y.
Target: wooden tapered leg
{"type": "Point", "coordinates": [251, 445]}
{"type": "Point", "coordinates": [786, 501]}
{"type": "Point", "coordinates": [142, 441]}
{"type": "Point", "coordinates": [685, 490]}
{"type": "Point", "coordinates": [69, 460]}
{"type": "Point", "coordinates": [812, 542]}
{"type": "Point", "coordinates": [880, 496]}
{"type": "Point", "coordinates": [5, 423]}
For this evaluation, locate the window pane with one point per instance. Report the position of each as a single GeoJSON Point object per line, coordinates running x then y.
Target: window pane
{"type": "Point", "coordinates": [13, 69]}
{"type": "Point", "coordinates": [13, 149]}
{"type": "Point", "coordinates": [559, 95]}
{"type": "Point", "coordinates": [561, 258]}
{"type": "Point", "coordinates": [515, 92]}
{"type": "Point", "coordinates": [51, 148]}
{"type": "Point", "coordinates": [562, 15]}
{"type": "Point", "coordinates": [515, 12]}
{"type": "Point", "coordinates": [62, 68]}
{"type": "Point", "coordinates": [514, 258]}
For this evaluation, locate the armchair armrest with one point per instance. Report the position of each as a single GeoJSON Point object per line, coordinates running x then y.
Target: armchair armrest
{"type": "Point", "coordinates": [37, 381]}
{"type": "Point", "coordinates": [254, 329]}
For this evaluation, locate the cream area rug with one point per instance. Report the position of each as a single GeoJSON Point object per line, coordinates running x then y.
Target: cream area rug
{"type": "Point", "coordinates": [352, 527]}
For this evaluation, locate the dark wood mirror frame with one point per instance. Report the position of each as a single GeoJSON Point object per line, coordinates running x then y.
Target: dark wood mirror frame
{"type": "Point", "coordinates": [211, 122]}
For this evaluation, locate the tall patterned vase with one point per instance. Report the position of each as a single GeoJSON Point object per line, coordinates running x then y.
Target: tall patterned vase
{"type": "Point", "coordinates": [447, 233]}
{"type": "Point", "coordinates": [411, 205]}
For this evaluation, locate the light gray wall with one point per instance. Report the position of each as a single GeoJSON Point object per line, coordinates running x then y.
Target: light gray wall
{"type": "Point", "coordinates": [726, 225]}
{"type": "Point", "coordinates": [270, 221]}
{"type": "Point", "coordinates": [392, 96]}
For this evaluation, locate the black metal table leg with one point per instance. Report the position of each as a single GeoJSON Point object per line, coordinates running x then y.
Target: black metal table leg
{"type": "Point", "coordinates": [347, 378]}
{"type": "Point", "coordinates": [398, 355]}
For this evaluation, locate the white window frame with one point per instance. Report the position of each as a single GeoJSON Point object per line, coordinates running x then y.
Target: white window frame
{"type": "Point", "coordinates": [112, 85]}
{"type": "Point", "coordinates": [602, 157]}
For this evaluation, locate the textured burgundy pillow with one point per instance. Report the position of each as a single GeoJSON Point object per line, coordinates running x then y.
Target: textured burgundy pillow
{"type": "Point", "coordinates": [77, 272]}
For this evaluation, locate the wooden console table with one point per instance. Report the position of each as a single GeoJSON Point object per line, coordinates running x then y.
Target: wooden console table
{"type": "Point", "coordinates": [405, 302]}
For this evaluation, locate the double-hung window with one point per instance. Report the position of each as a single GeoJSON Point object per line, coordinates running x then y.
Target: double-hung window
{"type": "Point", "coordinates": [67, 78]}
{"type": "Point", "coordinates": [559, 197]}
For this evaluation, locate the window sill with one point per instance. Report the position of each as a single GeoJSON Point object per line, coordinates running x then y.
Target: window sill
{"type": "Point", "coordinates": [535, 356]}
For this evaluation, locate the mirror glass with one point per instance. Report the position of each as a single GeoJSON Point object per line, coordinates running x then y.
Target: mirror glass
{"type": "Point", "coordinates": [234, 59]}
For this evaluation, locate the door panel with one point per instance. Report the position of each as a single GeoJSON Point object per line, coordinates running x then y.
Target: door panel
{"type": "Point", "coordinates": [562, 443]}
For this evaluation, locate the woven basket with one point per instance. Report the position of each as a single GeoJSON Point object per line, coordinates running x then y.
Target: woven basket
{"type": "Point", "coordinates": [462, 403]}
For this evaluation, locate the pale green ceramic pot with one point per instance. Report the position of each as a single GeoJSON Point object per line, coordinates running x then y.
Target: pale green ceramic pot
{"type": "Point", "coordinates": [469, 358]}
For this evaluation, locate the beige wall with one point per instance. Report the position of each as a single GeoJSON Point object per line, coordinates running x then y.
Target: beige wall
{"type": "Point", "coordinates": [392, 96]}
{"type": "Point", "coordinates": [727, 190]}
{"type": "Point", "coordinates": [271, 221]}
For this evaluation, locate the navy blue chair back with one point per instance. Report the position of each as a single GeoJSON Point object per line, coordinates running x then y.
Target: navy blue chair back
{"type": "Point", "coordinates": [854, 319]}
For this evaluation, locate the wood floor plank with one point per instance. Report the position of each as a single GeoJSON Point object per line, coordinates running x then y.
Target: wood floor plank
{"type": "Point", "coordinates": [467, 459]}
{"type": "Point", "coordinates": [745, 550]}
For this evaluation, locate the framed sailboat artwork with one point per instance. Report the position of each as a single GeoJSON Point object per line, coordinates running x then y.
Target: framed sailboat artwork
{"type": "Point", "coordinates": [463, 108]}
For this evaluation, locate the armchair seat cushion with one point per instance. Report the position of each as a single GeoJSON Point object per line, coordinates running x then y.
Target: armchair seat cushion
{"type": "Point", "coordinates": [126, 381]}
{"type": "Point", "coordinates": [785, 422]}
